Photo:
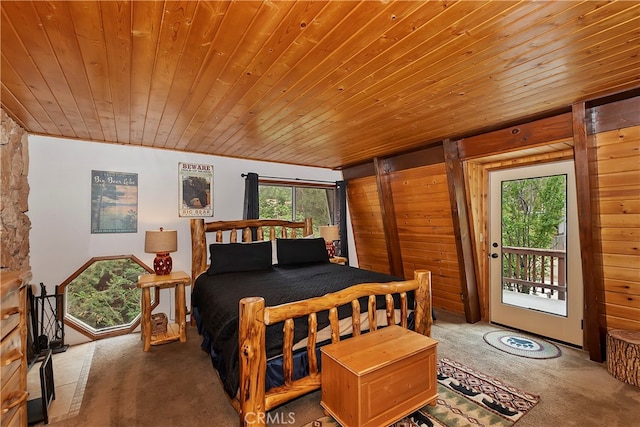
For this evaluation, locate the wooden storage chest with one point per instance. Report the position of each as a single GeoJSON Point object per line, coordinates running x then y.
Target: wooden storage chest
{"type": "Point", "coordinates": [377, 378]}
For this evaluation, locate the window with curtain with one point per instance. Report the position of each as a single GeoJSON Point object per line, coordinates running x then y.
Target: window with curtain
{"type": "Point", "coordinates": [282, 200]}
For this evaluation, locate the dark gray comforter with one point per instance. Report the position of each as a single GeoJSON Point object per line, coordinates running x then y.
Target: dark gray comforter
{"type": "Point", "coordinates": [217, 297]}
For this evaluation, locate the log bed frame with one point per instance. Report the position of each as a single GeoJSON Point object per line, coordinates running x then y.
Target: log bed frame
{"type": "Point", "coordinates": [252, 401]}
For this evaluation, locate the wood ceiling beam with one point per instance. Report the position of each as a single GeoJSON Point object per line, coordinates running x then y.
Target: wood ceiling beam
{"type": "Point", "coordinates": [389, 223]}
{"type": "Point", "coordinates": [518, 137]}
{"type": "Point", "coordinates": [615, 115]}
{"type": "Point", "coordinates": [586, 167]}
{"type": "Point", "coordinates": [462, 232]}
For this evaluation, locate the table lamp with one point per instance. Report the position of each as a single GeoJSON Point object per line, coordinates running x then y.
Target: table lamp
{"type": "Point", "coordinates": [330, 234]}
{"type": "Point", "coordinates": [161, 242]}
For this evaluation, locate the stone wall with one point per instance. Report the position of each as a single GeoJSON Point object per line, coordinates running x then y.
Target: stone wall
{"type": "Point", "coordinates": [14, 193]}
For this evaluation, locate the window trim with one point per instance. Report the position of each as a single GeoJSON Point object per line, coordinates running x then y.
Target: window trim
{"type": "Point", "coordinates": [79, 326]}
{"type": "Point", "coordinates": [295, 183]}
{"type": "Point", "coordinates": [326, 185]}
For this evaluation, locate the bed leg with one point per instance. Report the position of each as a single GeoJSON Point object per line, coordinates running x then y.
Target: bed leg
{"type": "Point", "coordinates": [422, 312]}
{"type": "Point", "coordinates": [252, 362]}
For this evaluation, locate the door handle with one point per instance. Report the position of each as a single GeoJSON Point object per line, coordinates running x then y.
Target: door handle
{"type": "Point", "coordinates": [494, 255]}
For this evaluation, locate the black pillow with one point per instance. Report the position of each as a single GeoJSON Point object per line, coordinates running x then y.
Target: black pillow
{"type": "Point", "coordinates": [301, 251]}
{"type": "Point", "coordinates": [231, 257]}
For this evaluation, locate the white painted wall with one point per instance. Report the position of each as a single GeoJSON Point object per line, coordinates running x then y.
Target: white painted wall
{"type": "Point", "coordinates": [60, 196]}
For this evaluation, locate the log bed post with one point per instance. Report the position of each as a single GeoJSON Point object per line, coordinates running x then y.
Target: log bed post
{"type": "Point", "coordinates": [253, 363]}
{"type": "Point", "coordinates": [422, 314]}
{"type": "Point", "coordinates": [308, 227]}
{"type": "Point", "coordinates": [198, 248]}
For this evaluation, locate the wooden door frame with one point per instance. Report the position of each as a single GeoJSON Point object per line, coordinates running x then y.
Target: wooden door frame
{"type": "Point", "coordinates": [566, 326]}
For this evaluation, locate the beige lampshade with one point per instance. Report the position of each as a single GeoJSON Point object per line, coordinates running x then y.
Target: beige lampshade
{"type": "Point", "coordinates": [161, 241]}
{"type": "Point", "coordinates": [329, 232]}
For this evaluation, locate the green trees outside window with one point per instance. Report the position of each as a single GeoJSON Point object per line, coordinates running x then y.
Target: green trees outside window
{"type": "Point", "coordinates": [102, 296]}
{"type": "Point", "coordinates": [534, 212]}
{"type": "Point", "coordinates": [295, 203]}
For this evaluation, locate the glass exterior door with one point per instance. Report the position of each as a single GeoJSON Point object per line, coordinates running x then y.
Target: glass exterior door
{"type": "Point", "coordinates": [536, 279]}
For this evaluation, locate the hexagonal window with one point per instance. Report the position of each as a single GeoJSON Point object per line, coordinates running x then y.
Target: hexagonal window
{"type": "Point", "coordinates": [102, 298]}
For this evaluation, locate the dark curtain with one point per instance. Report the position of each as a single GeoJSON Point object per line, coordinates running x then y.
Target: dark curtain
{"type": "Point", "coordinates": [251, 203]}
{"type": "Point", "coordinates": [341, 217]}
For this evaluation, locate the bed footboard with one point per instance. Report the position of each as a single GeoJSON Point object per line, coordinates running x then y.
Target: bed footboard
{"type": "Point", "coordinates": [254, 402]}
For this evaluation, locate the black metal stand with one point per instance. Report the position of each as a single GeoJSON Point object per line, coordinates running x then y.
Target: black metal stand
{"type": "Point", "coordinates": [46, 321]}
{"type": "Point", "coordinates": [38, 408]}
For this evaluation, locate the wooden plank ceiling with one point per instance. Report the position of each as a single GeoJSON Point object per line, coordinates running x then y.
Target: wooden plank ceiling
{"type": "Point", "coordinates": [329, 84]}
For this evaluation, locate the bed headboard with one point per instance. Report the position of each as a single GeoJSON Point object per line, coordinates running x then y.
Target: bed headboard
{"type": "Point", "coordinates": [199, 230]}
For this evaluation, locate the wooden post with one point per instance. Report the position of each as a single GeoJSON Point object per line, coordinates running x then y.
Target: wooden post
{"type": "Point", "coordinates": [146, 318]}
{"type": "Point", "coordinates": [390, 311]}
{"type": "Point", "coordinates": [422, 312]}
{"type": "Point", "coordinates": [312, 321]}
{"type": "Point", "coordinates": [584, 163]}
{"type": "Point", "coordinates": [198, 257]}
{"type": "Point", "coordinates": [373, 323]}
{"type": "Point", "coordinates": [389, 222]}
{"type": "Point", "coordinates": [308, 227]}
{"type": "Point", "coordinates": [287, 352]}
{"type": "Point", "coordinates": [181, 310]}
{"type": "Point", "coordinates": [253, 362]}
{"type": "Point", "coordinates": [462, 231]}
{"type": "Point", "coordinates": [355, 317]}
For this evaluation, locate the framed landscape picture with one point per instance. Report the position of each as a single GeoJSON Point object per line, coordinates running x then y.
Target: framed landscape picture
{"type": "Point", "coordinates": [196, 190]}
{"type": "Point", "coordinates": [114, 202]}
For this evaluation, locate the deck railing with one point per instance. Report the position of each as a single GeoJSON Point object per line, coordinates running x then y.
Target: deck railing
{"type": "Point", "coordinates": [528, 270]}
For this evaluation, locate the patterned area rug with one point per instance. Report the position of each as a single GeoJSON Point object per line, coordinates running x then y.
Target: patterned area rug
{"type": "Point", "coordinates": [522, 345]}
{"type": "Point", "coordinates": [466, 398]}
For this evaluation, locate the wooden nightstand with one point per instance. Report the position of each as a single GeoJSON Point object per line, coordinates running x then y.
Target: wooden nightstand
{"type": "Point", "coordinates": [175, 331]}
{"type": "Point", "coordinates": [338, 260]}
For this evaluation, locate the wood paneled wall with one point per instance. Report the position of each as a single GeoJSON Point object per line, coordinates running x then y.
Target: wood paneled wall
{"type": "Point", "coordinates": [425, 231]}
{"type": "Point", "coordinates": [366, 220]}
{"type": "Point", "coordinates": [616, 198]}
{"type": "Point", "coordinates": [425, 224]}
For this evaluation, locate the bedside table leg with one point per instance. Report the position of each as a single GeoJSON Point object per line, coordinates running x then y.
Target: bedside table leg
{"type": "Point", "coordinates": [181, 312]}
{"type": "Point", "coordinates": [146, 318]}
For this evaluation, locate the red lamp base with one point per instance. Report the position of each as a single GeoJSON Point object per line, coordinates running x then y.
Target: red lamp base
{"type": "Point", "coordinates": [162, 264]}
{"type": "Point", "coordinates": [331, 249]}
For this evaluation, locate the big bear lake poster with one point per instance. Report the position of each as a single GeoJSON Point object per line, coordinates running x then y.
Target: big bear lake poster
{"type": "Point", "coordinates": [196, 190]}
{"type": "Point", "coordinates": [114, 202]}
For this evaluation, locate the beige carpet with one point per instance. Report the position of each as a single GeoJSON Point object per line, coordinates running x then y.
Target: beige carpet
{"type": "Point", "coordinates": [174, 384]}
